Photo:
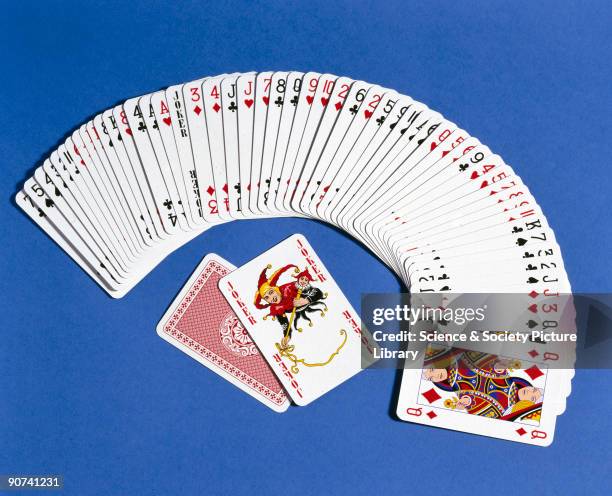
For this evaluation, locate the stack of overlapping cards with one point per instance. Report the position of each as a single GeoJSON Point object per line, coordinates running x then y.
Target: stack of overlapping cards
{"type": "Point", "coordinates": [437, 206]}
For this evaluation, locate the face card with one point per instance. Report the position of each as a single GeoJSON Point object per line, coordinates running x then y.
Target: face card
{"type": "Point", "coordinates": [299, 319]}
{"type": "Point", "coordinates": [263, 83]}
{"type": "Point", "coordinates": [245, 88]}
{"type": "Point", "coordinates": [229, 103]}
{"type": "Point", "coordinates": [201, 323]}
{"type": "Point", "coordinates": [480, 393]}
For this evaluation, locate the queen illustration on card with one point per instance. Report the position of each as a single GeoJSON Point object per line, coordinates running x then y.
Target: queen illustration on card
{"type": "Point", "coordinates": [483, 384]}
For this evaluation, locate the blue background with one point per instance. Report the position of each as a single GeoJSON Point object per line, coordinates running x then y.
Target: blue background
{"type": "Point", "coordinates": [89, 390]}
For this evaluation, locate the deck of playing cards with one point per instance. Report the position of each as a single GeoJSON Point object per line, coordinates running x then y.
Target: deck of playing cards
{"type": "Point", "coordinates": [442, 210]}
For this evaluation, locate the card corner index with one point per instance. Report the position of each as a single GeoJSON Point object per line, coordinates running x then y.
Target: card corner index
{"type": "Point", "coordinates": [403, 413]}
{"type": "Point", "coordinates": [299, 236]}
{"type": "Point", "coordinates": [222, 285]}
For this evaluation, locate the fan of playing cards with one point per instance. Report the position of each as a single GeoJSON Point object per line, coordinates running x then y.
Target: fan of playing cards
{"type": "Point", "coordinates": [443, 211]}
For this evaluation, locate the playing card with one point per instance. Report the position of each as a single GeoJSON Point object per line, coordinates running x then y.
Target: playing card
{"type": "Point", "coordinates": [299, 319]}
{"type": "Point", "coordinates": [278, 86]}
{"type": "Point", "coordinates": [201, 323]}
{"type": "Point", "coordinates": [229, 104]}
{"type": "Point", "coordinates": [54, 192]}
{"type": "Point", "coordinates": [263, 85]}
{"type": "Point", "coordinates": [285, 126]}
{"type": "Point", "coordinates": [213, 116]}
{"type": "Point", "coordinates": [393, 168]}
{"type": "Point", "coordinates": [41, 209]}
{"type": "Point", "coordinates": [480, 393]}
{"type": "Point", "coordinates": [377, 147]}
{"type": "Point", "coordinates": [305, 99]}
{"type": "Point", "coordinates": [245, 88]}
{"type": "Point", "coordinates": [182, 138]}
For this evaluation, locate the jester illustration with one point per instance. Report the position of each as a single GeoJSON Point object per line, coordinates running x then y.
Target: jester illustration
{"type": "Point", "coordinates": [483, 384]}
{"type": "Point", "coordinates": [289, 303]}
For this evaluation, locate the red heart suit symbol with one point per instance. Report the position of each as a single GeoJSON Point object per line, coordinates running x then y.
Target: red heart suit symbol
{"type": "Point", "coordinates": [248, 102]}
{"type": "Point", "coordinates": [324, 101]}
{"type": "Point", "coordinates": [309, 99]}
{"type": "Point", "coordinates": [266, 100]}
{"type": "Point", "coordinates": [128, 131]}
{"type": "Point", "coordinates": [367, 114]}
{"type": "Point", "coordinates": [167, 120]}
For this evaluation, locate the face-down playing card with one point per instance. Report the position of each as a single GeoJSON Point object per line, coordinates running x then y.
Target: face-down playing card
{"type": "Point", "coordinates": [201, 323]}
{"type": "Point", "coordinates": [299, 319]}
